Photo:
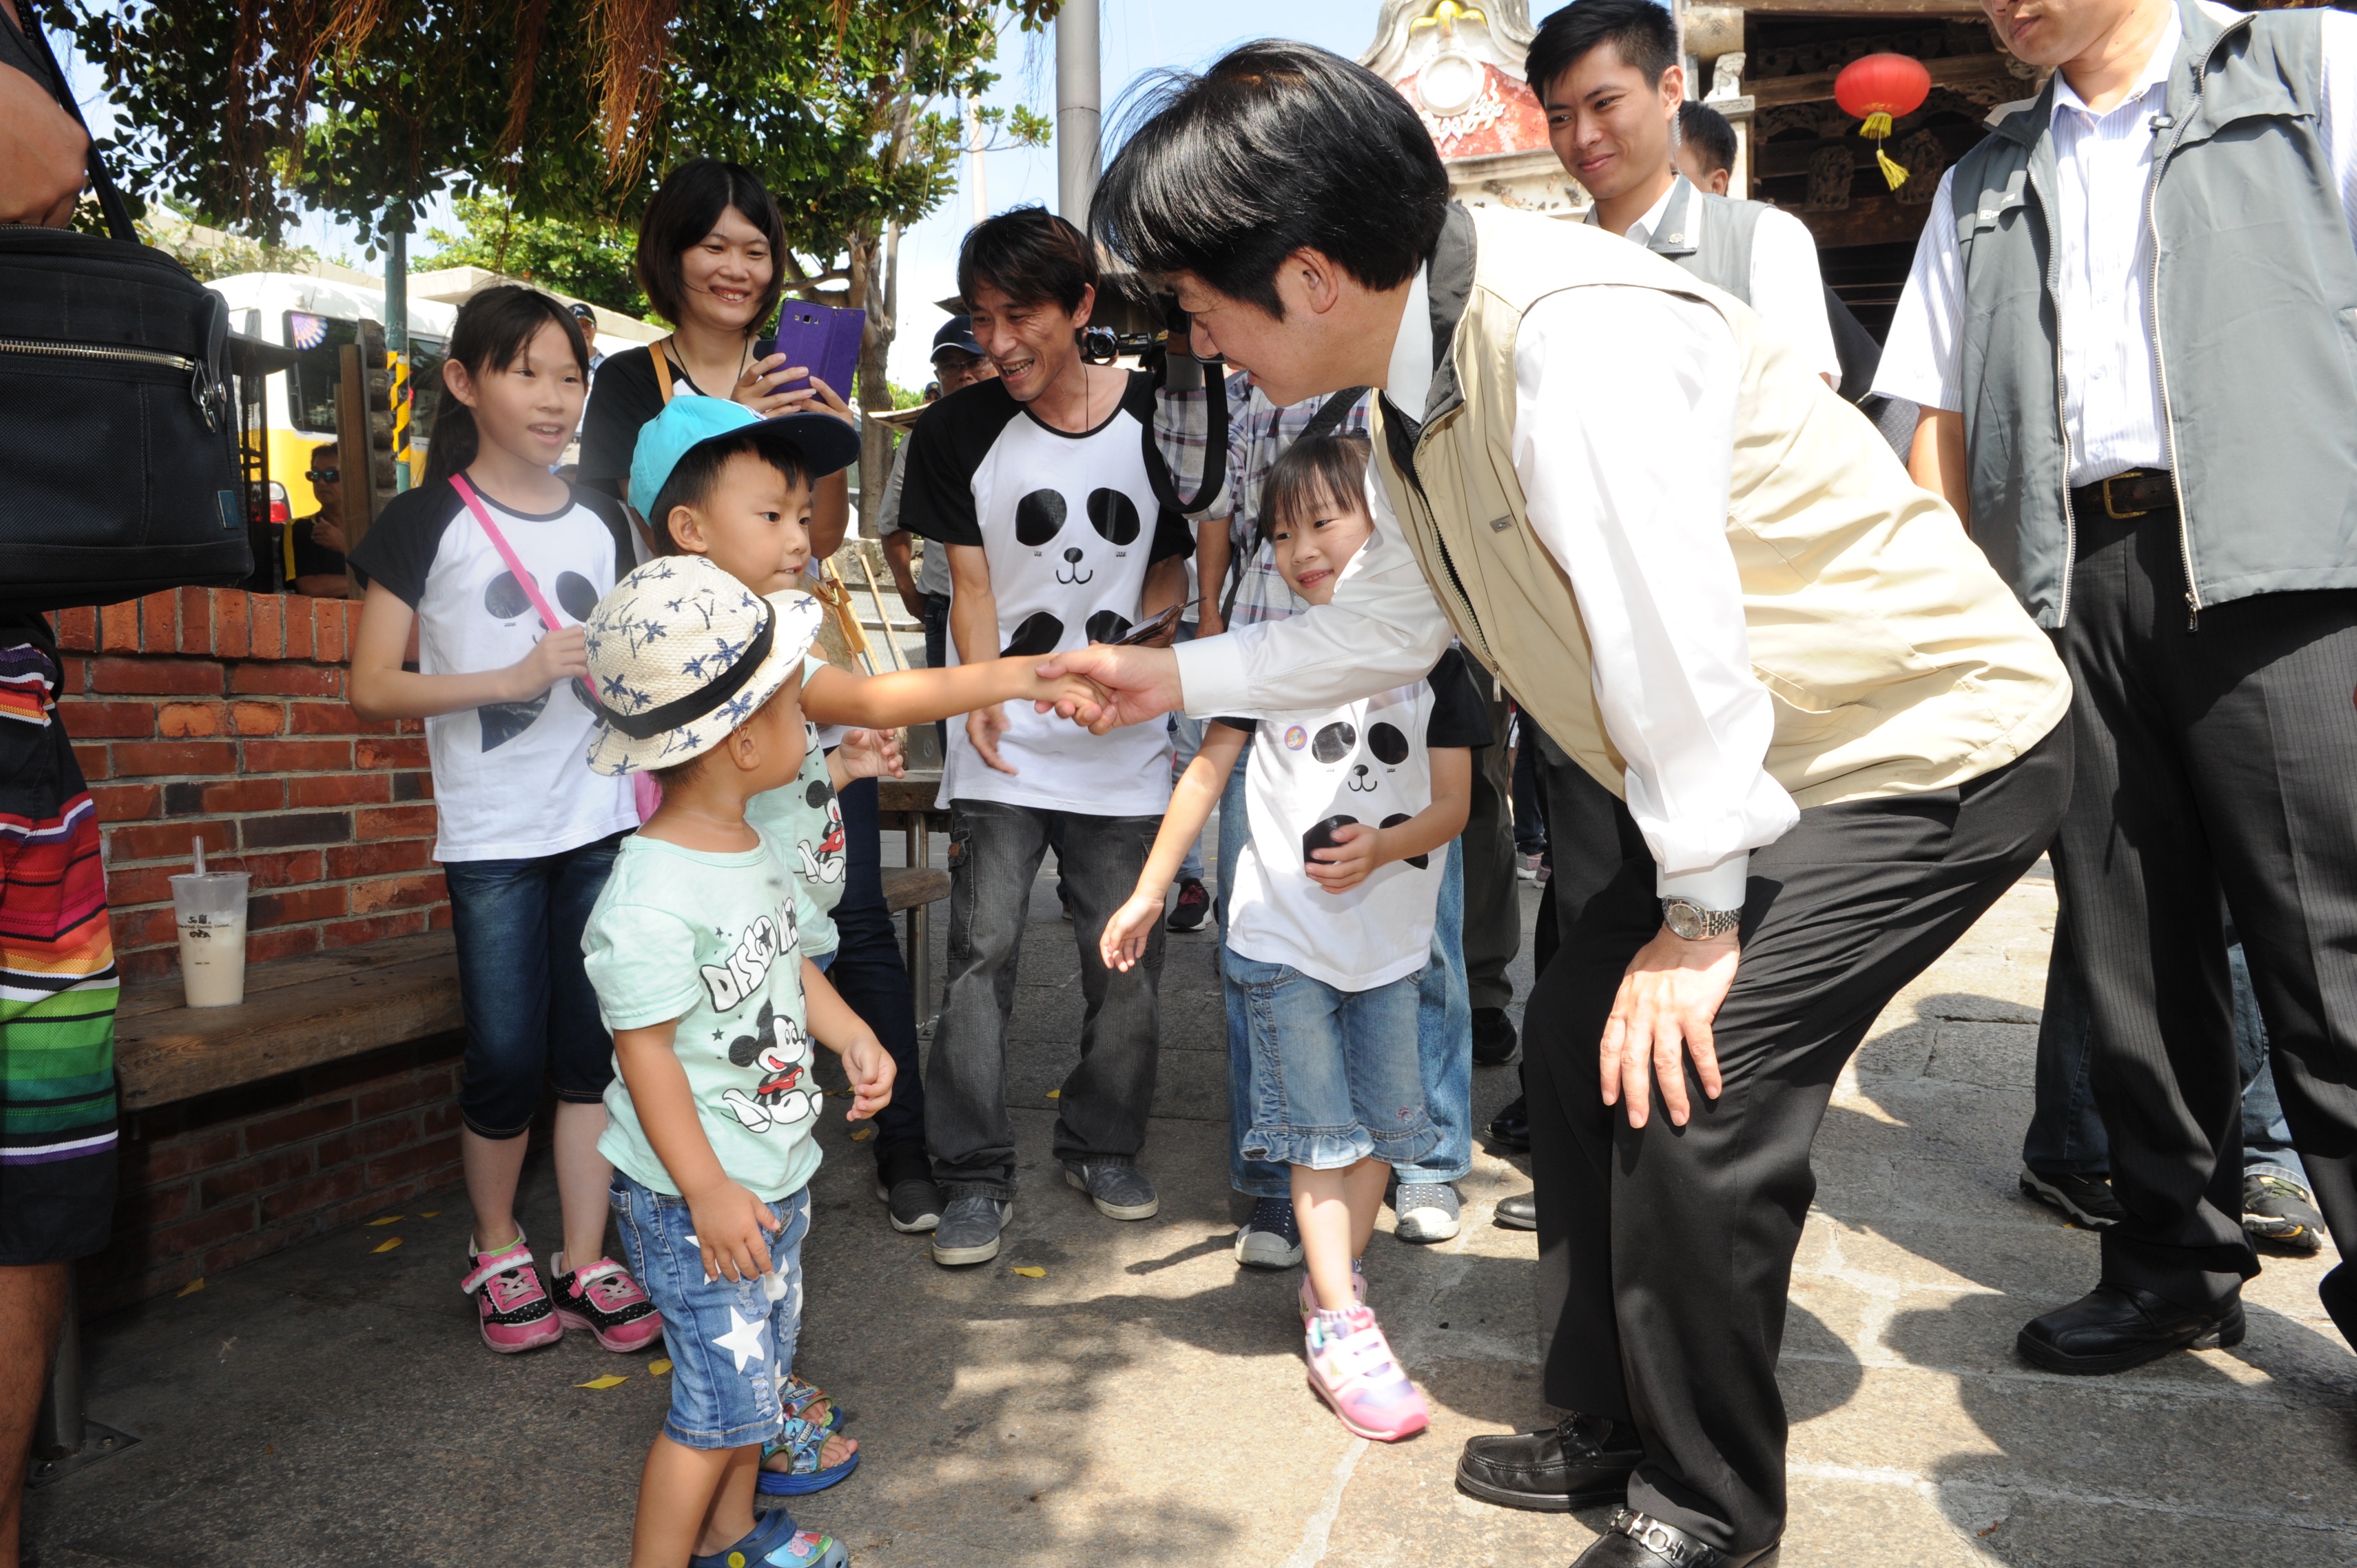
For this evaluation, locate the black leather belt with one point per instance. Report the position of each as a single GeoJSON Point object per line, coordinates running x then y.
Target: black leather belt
{"type": "Point", "coordinates": [2123, 496]}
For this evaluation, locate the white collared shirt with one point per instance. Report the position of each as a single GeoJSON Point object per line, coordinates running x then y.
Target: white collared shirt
{"type": "Point", "coordinates": [1786, 286]}
{"type": "Point", "coordinates": [1626, 475]}
{"type": "Point", "coordinates": [2111, 391]}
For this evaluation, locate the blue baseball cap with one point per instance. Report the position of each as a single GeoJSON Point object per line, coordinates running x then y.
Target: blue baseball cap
{"type": "Point", "coordinates": [820, 442]}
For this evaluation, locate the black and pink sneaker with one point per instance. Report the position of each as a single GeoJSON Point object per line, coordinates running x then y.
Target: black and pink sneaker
{"type": "Point", "coordinates": [604, 1299]}
{"type": "Point", "coordinates": [516, 1312]}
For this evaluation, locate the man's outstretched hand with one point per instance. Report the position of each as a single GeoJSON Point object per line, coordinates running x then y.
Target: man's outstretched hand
{"type": "Point", "coordinates": [1139, 684]}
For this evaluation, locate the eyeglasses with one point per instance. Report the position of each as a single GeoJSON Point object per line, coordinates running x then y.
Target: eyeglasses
{"type": "Point", "coordinates": [324, 475]}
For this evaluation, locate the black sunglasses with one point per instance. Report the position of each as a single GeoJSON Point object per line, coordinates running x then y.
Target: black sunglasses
{"type": "Point", "coordinates": [324, 475]}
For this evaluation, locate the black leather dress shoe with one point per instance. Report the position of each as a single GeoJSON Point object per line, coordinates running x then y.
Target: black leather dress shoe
{"type": "Point", "coordinates": [1635, 1541]}
{"type": "Point", "coordinates": [2337, 1291]}
{"type": "Point", "coordinates": [1512, 1126]}
{"type": "Point", "coordinates": [2113, 1327]}
{"type": "Point", "coordinates": [1580, 1462]}
{"type": "Point", "coordinates": [1519, 1212]}
{"type": "Point", "coordinates": [1494, 1042]}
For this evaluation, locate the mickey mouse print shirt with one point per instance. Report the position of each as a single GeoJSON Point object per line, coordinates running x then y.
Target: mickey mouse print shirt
{"type": "Point", "coordinates": [512, 780]}
{"type": "Point", "coordinates": [805, 821]}
{"type": "Point", "coordinates": [1069, 523]}
{"type": "Point", "coordinates": [709, 939]}
{"type": "Point", "coordinates": [1312, 771]}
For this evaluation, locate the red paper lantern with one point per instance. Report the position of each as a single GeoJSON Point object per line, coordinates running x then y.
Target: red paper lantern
{"type": "Point", "coordinates": [1878, 88]}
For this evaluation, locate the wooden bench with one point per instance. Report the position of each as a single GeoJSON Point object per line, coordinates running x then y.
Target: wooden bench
{"type": "Point", "coordinates": [298, 1012]}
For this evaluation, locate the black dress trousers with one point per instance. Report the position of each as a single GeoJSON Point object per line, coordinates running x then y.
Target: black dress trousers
{"type": "Point", "coordinates": [1664, 1252]}
{"type": "Point", "coordinates": [2213, 752]}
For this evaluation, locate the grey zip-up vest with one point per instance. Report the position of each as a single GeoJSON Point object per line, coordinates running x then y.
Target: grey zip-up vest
{"type": "Point", "coordinates": [1723, 257]}
{"type": "Point", "coordinates": [2253, 304]}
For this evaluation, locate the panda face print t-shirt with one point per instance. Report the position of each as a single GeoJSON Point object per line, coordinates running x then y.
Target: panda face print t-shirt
{"type": "Point", "coordinates": [512, 780]}
{"type": "Point", "coordinates": [1311, 772]}
{"type": "Point", "coordinates": [1069, 523]}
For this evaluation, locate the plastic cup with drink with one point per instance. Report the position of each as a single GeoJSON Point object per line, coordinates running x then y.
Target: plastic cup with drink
{"type": "Point", "coordinates": [210, 908]}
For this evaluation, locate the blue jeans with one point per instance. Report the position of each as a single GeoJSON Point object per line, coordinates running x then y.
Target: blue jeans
{"type": "Point", "coordinates": [531, 1014]}
{"type": "Point", "coordinates": [870, 975]}
{"type": "Point", "coordinates": [731, 1342]}
{"type": "Point", "coordinates": [1444, 1026]}
{"type": "Point", "coordinates": [2066, 1136]}
{"type": "Point", "coordinates": [1335, 1075]}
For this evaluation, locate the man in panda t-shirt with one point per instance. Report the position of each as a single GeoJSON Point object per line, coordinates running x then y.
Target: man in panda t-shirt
{"type": "Point", "coordinates": [1038, 485]}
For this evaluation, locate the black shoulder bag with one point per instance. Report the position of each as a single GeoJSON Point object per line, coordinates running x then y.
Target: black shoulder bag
{"type": "Point", "coordinates": [118, 448]}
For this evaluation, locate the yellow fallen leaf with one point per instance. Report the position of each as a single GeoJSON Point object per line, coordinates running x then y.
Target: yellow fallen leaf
{"type": "Point", "coordinates": [838, 1094]}
{"type": "Point", "coordinates": [1029, 1272]}
{"type": "Point", "coordinates": [1055, 1094]}
{"type": "Point", "coordinates": [607, 1381]}
{"type": "Point", "coordinates": [658, 1367]}
{"type": "Point", "coordinates": [193, 1287]}
{"type": "Point", "coordinates": [388, 1220]}
{"type": "Point", "coordinates": [863, 1135]}
{"type": "Point", "coordinates": [429, 1213]}
{"type": "Point", "coordinates": [387, 1245]}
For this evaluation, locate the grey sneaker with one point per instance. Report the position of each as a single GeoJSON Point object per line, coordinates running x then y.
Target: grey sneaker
{"type": "Point", "coordinates": [969, 1228]}
{"type": "Point", "coordinates": [2087, 1200]}
{"type": "Point", "coordinates": [1118, 1189]}
{"type": "Point", "coordinates": [915, 1203]}
{"type": "Point", "coordinates": [2278, 1209]}
{"type": "Point", "coordinates": [1427, 1211]}
{"type": "Point", "coordinates": [1271, 1238]}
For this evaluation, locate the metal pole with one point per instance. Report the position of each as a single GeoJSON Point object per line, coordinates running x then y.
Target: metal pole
{"type": "Point", "coordinates": [396, 337]}
{"type": "Point", "coordinates": [1079, 115]}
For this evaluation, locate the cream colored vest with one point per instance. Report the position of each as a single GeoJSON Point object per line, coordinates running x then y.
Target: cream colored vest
{"type": "Point", "coordinates": [1896, 659]}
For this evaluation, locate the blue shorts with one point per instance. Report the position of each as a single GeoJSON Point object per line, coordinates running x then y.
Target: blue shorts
{"type": "Point", "coordinates": [731, 1342]}
{"type": "Point", "coordinates": [1336, 1077]}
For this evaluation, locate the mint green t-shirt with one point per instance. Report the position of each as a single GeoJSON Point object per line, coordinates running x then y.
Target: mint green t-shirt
{"type": "Point", "coordinates": [806, 820]}
{"type": "Point", "coordinates": [709, 939]}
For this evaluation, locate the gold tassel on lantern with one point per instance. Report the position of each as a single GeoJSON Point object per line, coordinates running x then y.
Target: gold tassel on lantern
{"type": "Point", "coordinates": [1878, 127]}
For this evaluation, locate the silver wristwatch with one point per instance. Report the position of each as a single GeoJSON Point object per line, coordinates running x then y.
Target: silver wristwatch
{"type": "Point", "coordinates": [1691, 922]}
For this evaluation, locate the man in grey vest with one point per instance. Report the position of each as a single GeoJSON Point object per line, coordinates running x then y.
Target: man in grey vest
{"type": "Point", "coordinates": [2169, 479]}
{"type": "Point", "coordinates": [1606, 73]}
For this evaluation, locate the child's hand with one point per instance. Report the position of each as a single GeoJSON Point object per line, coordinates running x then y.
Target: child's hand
{"type": "Point", "coordinates": [1049, 691]}
{"type": "Point", "coordinates": [1123, 941]}
{"type": "Point", "coordinates": [871, 1070]}
{"type": "Point", "coordinates": [871, 754]}
{"type": "Point", "coordinates": [1351, 862]}
{"type": "Point", "coordinates": [559, 656]}
{"type": "Point", "coordinates": [728, 1225]}
{"type": "Point", "coordinates": [982, 728]}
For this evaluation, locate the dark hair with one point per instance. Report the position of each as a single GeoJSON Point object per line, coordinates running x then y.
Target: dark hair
{"type": "Point", "coordinates": [1278, 147]}
{"type": "Point", "coordinates": [698, 470]}
{"type": "Point", "coordinates": [491, 330]}
{"type": "Point", "coordinates": [687, 206]}
{"type": "Point", "coordinates": [1640, 30]}
{"type": "Point", "coordinates": [1317, 470]}
{"type": "Point", "coordinates": [1706, 130]}
{"type": "Point", "coordinates": [1030, 255]}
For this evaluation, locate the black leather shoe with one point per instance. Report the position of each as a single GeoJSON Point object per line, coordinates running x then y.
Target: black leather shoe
{"type": "Point", "coordinates": [1636, 1540]}
{"type": "Point", "coordinates": [2113, 1327]}
{"type": "Point", "coordinates": [1512, 1127]}
{"type": "Point", "coordinates": [1494, 1042]}
{"type": "Point", "coordinates": [1580, 1462]}
{"type": "Point", "coordinates": [1519, 1212]}
{"type": "Point", "coordinates": [2337, 1291]}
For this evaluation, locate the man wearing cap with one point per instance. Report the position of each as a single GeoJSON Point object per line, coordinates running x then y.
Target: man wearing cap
{"type": "Point", "coordinates": [1834, 734]}
{"type": "Point", "coordinates": [958, 362]}
{"type": "Point", "coordinates": [2132, 327]}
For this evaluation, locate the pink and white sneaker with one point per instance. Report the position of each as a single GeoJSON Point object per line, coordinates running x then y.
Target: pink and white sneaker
{"type": "Point", "coordinates": [1309, 1290]}
{"type": "Point", "coordinates": [1353, 1370]}
{"type": "Point", "coordinates": [516, 1312]}
{"type": "Point", "coordinates": [603, 1298]}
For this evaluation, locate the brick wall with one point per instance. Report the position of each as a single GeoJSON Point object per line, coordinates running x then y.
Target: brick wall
{"type": "Point", "coordinates": [223, 1179]}
{"type": "Point", "coordinates": [216, 713]}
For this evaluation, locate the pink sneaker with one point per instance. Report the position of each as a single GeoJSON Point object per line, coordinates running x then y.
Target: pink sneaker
{"type": "Point", "coordinates": [516, 1312]}
{"type": "Point", "coordinates": [604, 1299]}
{"type": "Point", "coordinates": [1309, 1290]}
{"type": "Point", "coordinates": [1353, 1370]}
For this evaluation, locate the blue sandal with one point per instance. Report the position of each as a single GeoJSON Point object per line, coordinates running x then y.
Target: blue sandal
{"type": "Point", "coordinates": [776, 1542]}
{"type": "Point", "coordinates": [806, 1441]}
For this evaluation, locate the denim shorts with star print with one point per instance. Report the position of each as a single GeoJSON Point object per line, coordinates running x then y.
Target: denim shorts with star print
{"type": "Point", "coordinates": [731, 1342]}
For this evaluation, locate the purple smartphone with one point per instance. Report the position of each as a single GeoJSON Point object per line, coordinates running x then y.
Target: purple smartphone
{"type": "Point", "coordinates": [825, 338]}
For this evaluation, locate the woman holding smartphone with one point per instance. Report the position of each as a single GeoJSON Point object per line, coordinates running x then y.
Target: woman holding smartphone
{"type": "Point", "coordinates": [707, 258]}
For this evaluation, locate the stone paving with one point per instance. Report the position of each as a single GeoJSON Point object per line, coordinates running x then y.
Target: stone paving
{"type": "Point", "coordinates": [1142, 1401]}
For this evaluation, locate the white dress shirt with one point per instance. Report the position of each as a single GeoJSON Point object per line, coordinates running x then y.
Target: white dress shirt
{"type": "Point", "coordinates": [1786, 286]}
{"type": "Point", "coordinates": [2111, 391]}
{"type": "Point", "coordinates": [1626, 477]}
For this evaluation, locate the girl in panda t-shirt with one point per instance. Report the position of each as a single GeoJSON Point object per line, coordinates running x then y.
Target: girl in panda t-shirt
{"type": "Point", "coordinates": [1330, 925]}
